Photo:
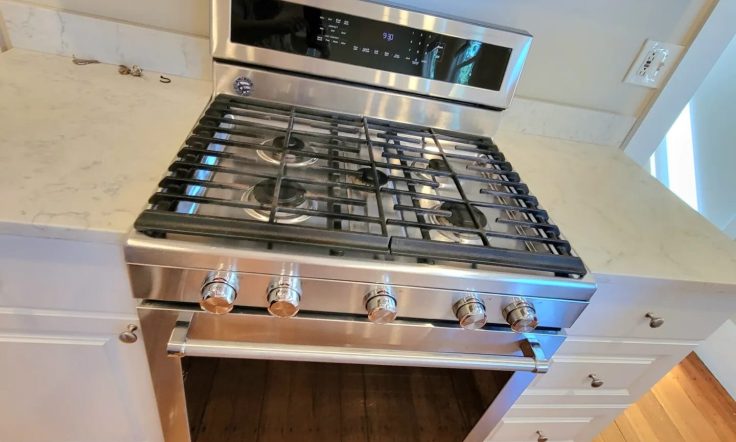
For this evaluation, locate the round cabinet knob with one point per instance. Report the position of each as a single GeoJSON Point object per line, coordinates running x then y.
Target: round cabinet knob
{"type": "Point", "coordinates": [129, 336]}
{"type": "Point", "coordinates": [654, 321]}
{"type": "Point", "coordinates": [219, 292]}
{"type": "Point", "coordinates": [283, 297]}
{"type": "Point", "coordinates": [471, 312]}
{"type": "Point", "coordinates": [521, 316]}
{"type": "Point", "coordinates": [541, 437]}
{"type": "Point", "coordinates": [380, 305]}
{"type": "Point", "coordinates": [595, 381]}
{"type": "Point", "coordinates": [243, 86]}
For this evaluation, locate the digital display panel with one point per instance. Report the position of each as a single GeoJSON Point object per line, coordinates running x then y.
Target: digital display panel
{"type": "Point", "coordinates": [320, 33]}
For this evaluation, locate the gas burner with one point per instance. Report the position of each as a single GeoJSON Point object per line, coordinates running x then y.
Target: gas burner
{"type": "Point", "coordinates": [291, 195]}
{"type": "Point", "coordinates": [436, 165]}
{"type": "Point", "coordinates": [292, 159]}
{"type": "Point", "coordinates": [459, 217]}
{"type": "Point", "coordinates": [365, 177]}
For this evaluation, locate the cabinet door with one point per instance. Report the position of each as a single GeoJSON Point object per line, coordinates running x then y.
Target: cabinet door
{"type": "Point", "coordinates": [71, 379]}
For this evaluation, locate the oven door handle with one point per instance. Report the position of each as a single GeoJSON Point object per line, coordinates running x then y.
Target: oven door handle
{"type": "Point", "coordinates": [181, 345]}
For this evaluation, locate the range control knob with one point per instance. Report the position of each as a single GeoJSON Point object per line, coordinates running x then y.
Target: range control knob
{"type": "Point", "coordinates": [243, 86]}
{"type": "Point", "coordinates": [283, 297]}
{"type": "Point", "coordinates": [219, 292]}
{"type": "Point", "coordinates": [521, 316]}
{"type": "Point", "coordinates": [380, 305]}
{"type": "Point", "coordinates": [471, 312]}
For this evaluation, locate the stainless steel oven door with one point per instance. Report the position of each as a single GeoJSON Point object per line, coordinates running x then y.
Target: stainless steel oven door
{"type": "Point", "coordinates": [172, 331]}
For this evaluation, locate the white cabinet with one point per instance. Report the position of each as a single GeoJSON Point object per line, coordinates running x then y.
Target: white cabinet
{"type": "Point", "coordinates": [614, 340]}
{"type": "Point", "coordinates": [64, 375]}
{"type": "Point", "coordinates": [70, 379]}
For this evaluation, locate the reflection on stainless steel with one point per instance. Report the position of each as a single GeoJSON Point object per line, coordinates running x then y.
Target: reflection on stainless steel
{"type": "Point", "coordinates": [519, 41]}
{"type": "Point", "coordinates": [180, 344]}
{"type": "Point", "coordinates": [346, 295]}
{"type": "Point", "coordinates": [338, 97]}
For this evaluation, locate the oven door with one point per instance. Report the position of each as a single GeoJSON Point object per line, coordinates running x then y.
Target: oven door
{"type": "Point", "coordinates": [249, 376]}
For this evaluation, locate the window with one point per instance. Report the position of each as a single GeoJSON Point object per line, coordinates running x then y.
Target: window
{"type": "Point", "coordinates": [673, 163]}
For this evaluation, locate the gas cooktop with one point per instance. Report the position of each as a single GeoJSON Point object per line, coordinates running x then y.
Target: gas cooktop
{"type": "Point", "coordinates": [278, 174]}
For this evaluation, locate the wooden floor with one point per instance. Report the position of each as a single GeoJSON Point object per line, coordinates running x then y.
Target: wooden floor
{"type": "Point", "coordinates": [240, 400]}
{"type": "Point", "coordinates": [686, 405]}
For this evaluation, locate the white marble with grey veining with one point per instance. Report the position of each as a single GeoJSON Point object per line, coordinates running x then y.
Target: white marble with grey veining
{"type": "Point", "coordinates": [619, 219]}
{"type": "Point", "coordinates": [82, 147]}
{"type": "Point", "coordinates": [63, 33]}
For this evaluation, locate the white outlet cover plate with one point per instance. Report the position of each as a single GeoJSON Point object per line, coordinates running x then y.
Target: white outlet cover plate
{"type": "Point", "coordinates": [653, 64]}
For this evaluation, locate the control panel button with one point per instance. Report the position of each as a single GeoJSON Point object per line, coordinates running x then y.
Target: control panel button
{"type": "Point", "coordinates": [521, 316]}
{"type": "Point", "coordinates": [219, 291]}
{"type": "Point", "coordinates": [284, 296]}
{"type": "Point", "coordinates": [470, 312]}
{"type": "Point", "coordinates": [380, 305]}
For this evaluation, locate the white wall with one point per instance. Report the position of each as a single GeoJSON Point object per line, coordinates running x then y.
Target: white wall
{"type": "Point", "coordinates": [184, 16]}
{"type": "Point", "coordinates": [713, 109]}
{"type": "Point", "coordinates": [581, 52]}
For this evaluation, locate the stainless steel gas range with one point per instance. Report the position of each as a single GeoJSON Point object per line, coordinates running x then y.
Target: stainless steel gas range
{"type": "Point", "coordinates": [340, 250]}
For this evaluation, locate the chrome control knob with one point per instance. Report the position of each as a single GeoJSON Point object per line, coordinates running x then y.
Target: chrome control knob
{"type": "Point", "coordinates": [283, 297]}
{"type": "Point", "coordinates": [471, 312]}
{"type": "Point", "coordinates": [380, 305]}
{"type": "Point", "coordinates": [219, 292]}
{"type": "Point", "coordinates": [521, 316]}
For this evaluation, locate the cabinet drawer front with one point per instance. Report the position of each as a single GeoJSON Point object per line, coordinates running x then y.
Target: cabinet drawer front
{"type": "Point", "coordinates": [523, 429]}
{"type": "Point", "coordinates": [556, 422]}
{"type": "Point", "coordinates": [690, 311]}
{"type": "Point", "coordinates": [577, 372]}
{"type": "Point", "coordinates": [627, 367]}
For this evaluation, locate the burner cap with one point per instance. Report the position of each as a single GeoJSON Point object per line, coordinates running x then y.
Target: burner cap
{"type": "Point", "coordinates": [291, 194]}
{"type": "Point", "coordinates": [294, 143]}
{"type": "Point", "coordinates": [366, 176]}
{"type": "Point", "coordinates": [460, 216]}
{"type": "Point", "coordinates": [438, 164]}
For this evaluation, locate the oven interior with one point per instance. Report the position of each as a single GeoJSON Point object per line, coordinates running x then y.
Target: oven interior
{"type": "Point", "coordinates": [258, 400]}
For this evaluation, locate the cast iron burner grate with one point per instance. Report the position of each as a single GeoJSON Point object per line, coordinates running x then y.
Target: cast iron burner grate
{"type": "Point", "coordinates": [359, 184]}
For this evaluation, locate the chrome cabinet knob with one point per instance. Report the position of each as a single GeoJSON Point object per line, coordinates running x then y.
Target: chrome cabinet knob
{"type": "Point", "coordinates": [595, 381]}
{"type": "Point", "coordinates": [521, 316]}
{"type": "Point", "coordinates": [129, 336]}
{"type": "Point", "coordinates": [380, 305]}
{"type": "Point", "coordinates": [471, 312]}
{"type": "Point", "coordinates": [219, 292]}
{"type": "Point", "coordinates": [654, 321]}
{"type": "Point", "coordinates": [283, 297]}
{"type": "Point", "coordinates": [541, 437]}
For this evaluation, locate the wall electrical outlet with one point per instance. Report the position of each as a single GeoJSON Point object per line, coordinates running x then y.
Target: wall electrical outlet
{"type": "Point", "coordinates": [653, 64]}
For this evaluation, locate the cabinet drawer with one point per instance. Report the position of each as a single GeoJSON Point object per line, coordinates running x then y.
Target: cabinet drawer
{"type": "Point", "coordinates": [627, 368]}
{"type": "Point", "coordinates": [690, 311]}
{"type": "Point", "coordinates": [556, 422]}
{"type": "Point", "coordinates": [573, 372]}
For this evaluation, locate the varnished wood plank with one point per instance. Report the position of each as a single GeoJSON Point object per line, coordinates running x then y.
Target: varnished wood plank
{"type": "Point", "coordinates": [200, 376]}
{"type": "Point", "coordinates": [353, 425]}
{"type": "Point", "coordinates": [273, 425]}
{"type": "Point", "coordinates": [688, 404]}
{"type": "Point", "coordinates": [234, 402]}
{"type": "Point", "coordinates": [390, 415]}
{"type": "Point", "coordinates": [686, 417]}
{"type": "Point", "coordinates": [439, 417]}
{"type": "Point", "coordinates": [634, 426]}
{"type": "Point", "coordinates": [708, 395]}
{"type": "Point", "coordinates": [612, 434]}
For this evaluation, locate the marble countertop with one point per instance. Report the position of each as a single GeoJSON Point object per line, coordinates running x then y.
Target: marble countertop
{"type": "Point", "coordinates": [618, 218]}
{"type": "Point", "coordinates": [82, 147]}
